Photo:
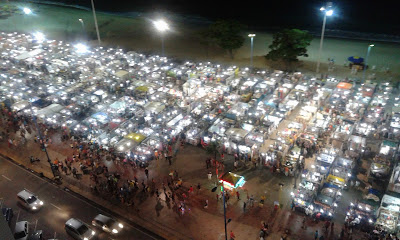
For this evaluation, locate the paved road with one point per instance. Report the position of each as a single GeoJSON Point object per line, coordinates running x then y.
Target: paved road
{"type": "Point", "coordinates": [59, 205]}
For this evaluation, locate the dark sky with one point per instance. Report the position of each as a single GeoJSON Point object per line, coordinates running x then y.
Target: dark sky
{"type": "Point", "coordinates": [357, 15]}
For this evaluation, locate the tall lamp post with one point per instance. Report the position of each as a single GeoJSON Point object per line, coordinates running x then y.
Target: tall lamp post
{"type": "Point", "coordinates": [225, 221]}
{"type": "Point", "coordinates": [366, 62]}
{"type": "Point", "coordinates": [327, 12]}
{"type": "Point", "coordinates": [41, 139]}
{"type": "Point", "coordinates": [251, 36]}
{"type": "Point", "coordinates": [27, 11]}
{"type": "Point", "coordinates": [95, 22]}
{"type": "Point", "coordinates": [161, 26]}
{"type": "Point", "coordinates": [82, 24]}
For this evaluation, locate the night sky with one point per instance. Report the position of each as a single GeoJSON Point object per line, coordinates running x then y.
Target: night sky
{"type": "Point", "coordinates": [362, 16]}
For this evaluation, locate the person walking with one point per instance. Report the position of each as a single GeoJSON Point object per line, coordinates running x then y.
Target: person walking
{"type": "Point", "coordinates": [327, 224]}
{"type": "Point", "coordinates": [209, 175]}
{"type": "Point", "coordinates": [238, 195]}
{"type": "Point", "coordinates": [332, 227]}
{"type": "Point", "coordinates": [206, 205]}
{"type": "Point", "coordinates": [232, 235]}
{"type": "Point", "coordinates": [146, 171]}
{"type": "Point", "coordinates": [303, 226]}
{"type": "Point", "coordinates": [316, 235]}
{"type": "Point", "coordinates": [235, 164]}
{"type": "Point", "coordinates": [244, 206]}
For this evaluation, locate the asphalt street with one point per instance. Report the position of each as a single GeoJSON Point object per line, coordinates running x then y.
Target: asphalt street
{"type": "Point", "coordinates": [58, 206]}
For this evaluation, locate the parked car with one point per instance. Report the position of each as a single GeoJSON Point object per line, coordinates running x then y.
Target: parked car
{"type": "Point", "coordinates": [78, 229]}
{"type": "Point", "coordinates": [8, 214]}
{"type": "Point", "coordinates": [21, 230]}
{"type": "Point", "coordinates": [107, 224]}
{"type": "Point", "coordinates": [29, 200]}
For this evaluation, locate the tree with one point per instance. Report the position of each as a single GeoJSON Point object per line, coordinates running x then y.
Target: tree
{"type": "Point", "coordinates": [227, 34]}
{"type": "Point", "coordinates": [213, 148]}
{"type": "Point", "coordinates": [288, 45]}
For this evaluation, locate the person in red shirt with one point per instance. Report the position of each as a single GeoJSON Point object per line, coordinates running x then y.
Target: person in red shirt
{"type": "Point", "coordinates": [232, 236]}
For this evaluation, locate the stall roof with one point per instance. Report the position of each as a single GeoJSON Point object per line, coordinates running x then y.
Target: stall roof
{"type": "Point", "coordinates": [121, 73]}
{"type": "Point", "coordinates": [326, 158]}
{"type": "Point", "coordinates": [137, 137]}
{"type": "Point", "coordinates": [344, 85]}
{"type": "Point", "coordinates": [233, 179]}
{"type": "Point", "coordinates": [155, 107]}
{"type": "Point", "coordinates": [236, 132]}
{"type": "Point", "coordinates": [51, 109]}
{"type": "Point", "coordinates": [30, 54]}
{"type": "Point", "coordinates": [390, 202]}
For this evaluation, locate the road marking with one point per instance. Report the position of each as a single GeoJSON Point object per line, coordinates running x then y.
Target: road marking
{"type": "Point", "coordinates": [55, 206]}
{"type": "Point", "coordinates": [18, 215]}
{"type": "Point", "coordinates": [6, 178]}
{"type": "Point", "coordinates": [36, 225]}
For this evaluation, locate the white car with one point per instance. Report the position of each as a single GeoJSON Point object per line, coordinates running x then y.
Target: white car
{"type": "Point", "coordinates": [107, 224]}
{"type": "Point", "coordinates": [78, 229]}
{"type": "Point", "coordinates": [21, 230]}
{"type": "Point", "coordinates": [29, 200]}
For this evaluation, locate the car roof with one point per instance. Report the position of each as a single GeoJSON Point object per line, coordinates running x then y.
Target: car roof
{"type": "Point", "coordinates": [24, 194]}
{"type": "Point", "coordinates": [75, 223]}
{"type": "Point", "coordinates": [20, 226]}
{"type": "Point", "coordinates": [102, 218]}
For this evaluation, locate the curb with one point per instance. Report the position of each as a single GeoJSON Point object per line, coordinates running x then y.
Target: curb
{"type": "Point", "coordinates": [161, 234]}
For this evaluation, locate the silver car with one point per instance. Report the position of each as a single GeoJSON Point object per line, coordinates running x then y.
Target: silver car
{"type": "Point", "coordinates": [107, 224]}
{"type": "Point", "coordinates": [21, 230]}
{"type": "Point", "coordinates": [78, 229]}
{"type": "Point", "coordinates": [29, 200]}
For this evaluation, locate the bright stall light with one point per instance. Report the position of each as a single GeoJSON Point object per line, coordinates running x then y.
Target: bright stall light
{"type": "Point", "coordinates": [38, 36]}
{"type": "Point", "coordinates": [81, 48]}
{"type": "Point", "coordinates": [329, 13]}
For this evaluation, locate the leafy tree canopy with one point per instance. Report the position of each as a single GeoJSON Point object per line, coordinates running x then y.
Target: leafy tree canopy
{"type": "Point", "coordinates": [227, 34]}
{"type": "Point", "coordinates": [288, 45]}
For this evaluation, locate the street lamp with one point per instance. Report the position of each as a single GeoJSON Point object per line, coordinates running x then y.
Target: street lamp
{"type": "Point", "coordinates": [327, 12]}
{"type": "Point", "coordinates": [366, 61]}
{"type": "Point", "coordinates": [41, 141]}
{"type": "Point", "coordinates": [225, 221]}
{"type": "Point", "coordinates": [251, 36]}
{"type": "Point", "coordinates": [82, 23]}
{"type": "Point", "coordinates": [161, 26]}
{"type": "Point", "coordinates": [27, 11]}
{"type": "Point", "coordinates": [95, 22]}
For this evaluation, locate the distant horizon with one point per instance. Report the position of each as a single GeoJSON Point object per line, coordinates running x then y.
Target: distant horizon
{"type": "Point", "coordinates": [308, 18]}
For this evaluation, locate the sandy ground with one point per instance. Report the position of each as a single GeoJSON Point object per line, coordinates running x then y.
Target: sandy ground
{"type": "Point", "coordinates": [182, 42]}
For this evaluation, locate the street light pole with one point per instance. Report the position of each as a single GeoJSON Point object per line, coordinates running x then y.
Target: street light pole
{"type": "Point", "coordinates": [82, 24]}
{"type": "Point", "coordinates": [226, 234]}
{"type": "Point", "coordinates": [161, 26]}
{"type": "Point", "coordinates": [321, 43]}
{"type": "Point", "coordinates": [162, 45]}
{"type": "Point", "coordinates": [41, 139]}
{"type": "Point", "coordinates": [251, 50]}
{"type": "Point", "coordinates": [366, 62]}
{"type": "Point", "coordinates": [326, 13]}
{"type": "Point", "coordinates": [95, 22]}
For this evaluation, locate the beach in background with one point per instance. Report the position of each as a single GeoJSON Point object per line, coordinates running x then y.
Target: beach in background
{"type": "Point", "coordinates": [135, 32]}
